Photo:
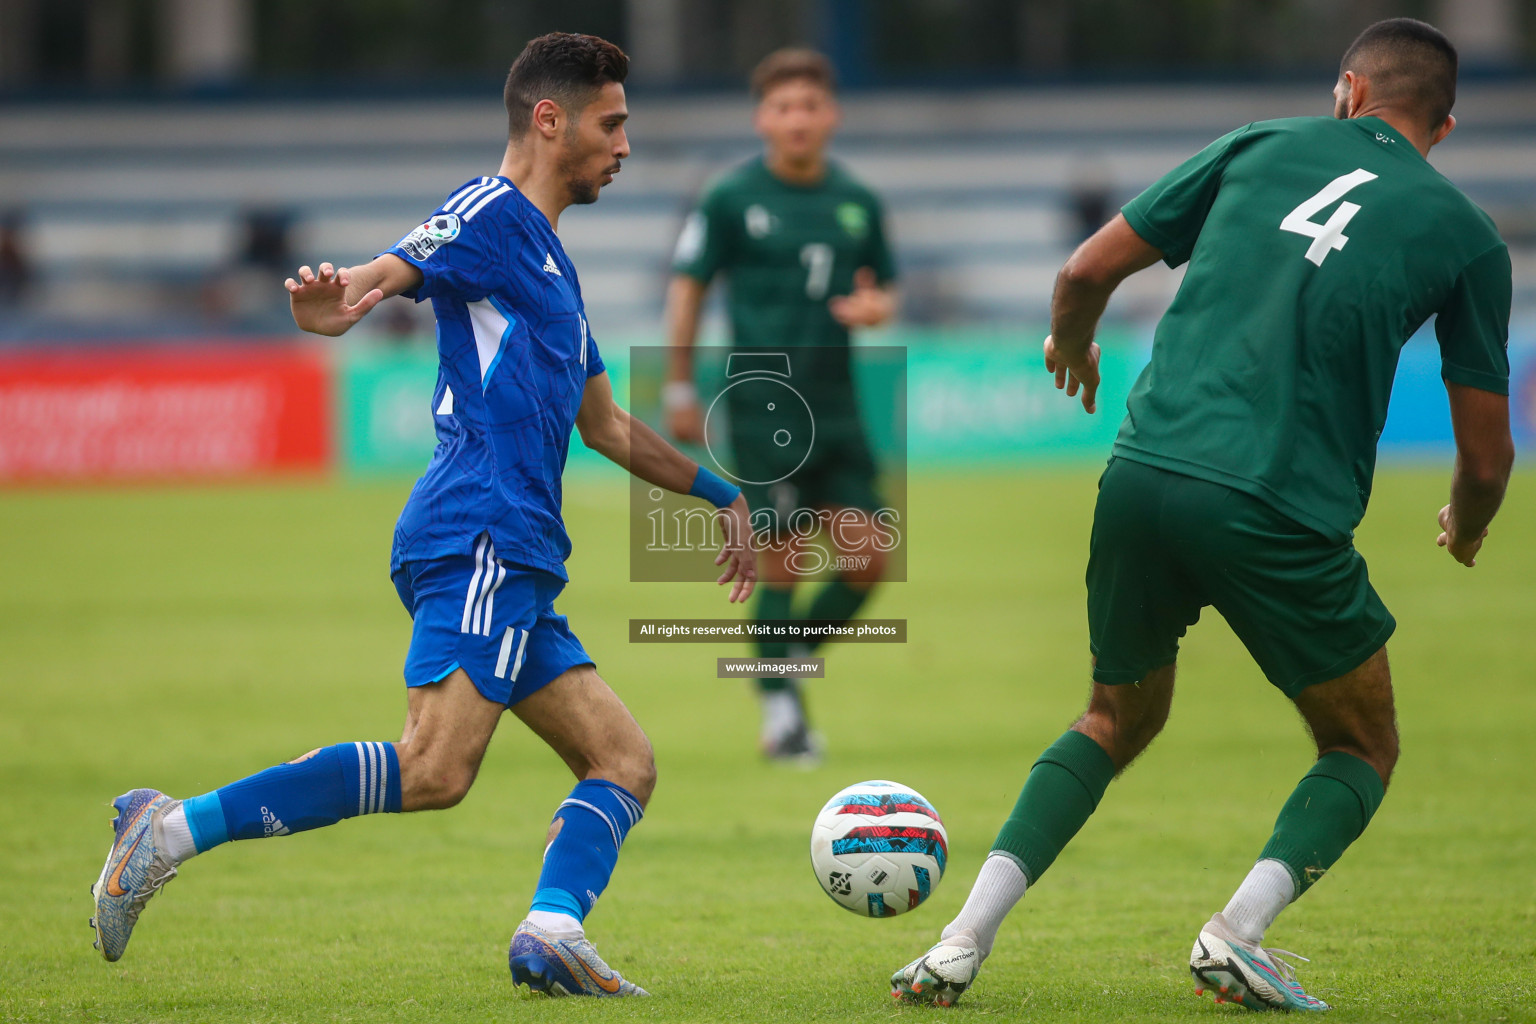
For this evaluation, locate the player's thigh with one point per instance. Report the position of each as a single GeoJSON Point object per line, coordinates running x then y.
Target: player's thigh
{"type": "Point", "coordinates": [1140, 600]}
{"type": "Point", "coordinates": [1355, 713]}
{"type": "Point", "coordinates": [448, 726]}
{"type": "Point", "coordinates": [1301, 602]}
{"type": "Point", "coordinates": [586, 723]}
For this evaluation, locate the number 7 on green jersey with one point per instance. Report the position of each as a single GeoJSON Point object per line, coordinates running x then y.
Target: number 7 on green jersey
{"type": "Point", "coordinates": [1328, 235]}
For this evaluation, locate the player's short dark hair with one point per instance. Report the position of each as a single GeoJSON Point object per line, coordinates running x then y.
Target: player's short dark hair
{"type": "Point", "coordinates": [565, 67]}
{"type": "Point", "coordinates": [791, 64]}
{"type": "Point", "coordinates": [1409, 63]}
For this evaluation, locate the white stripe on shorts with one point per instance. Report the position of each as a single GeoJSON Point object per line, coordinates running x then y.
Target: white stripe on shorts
{"type": "Point", "coordinates": [490, 598]}
{"type": "Point", "coordinates": [471, 597]}
{"type": "Point", "coordinates": [506, 652]}
{"type": "Point", "coordinates": [517, 666]}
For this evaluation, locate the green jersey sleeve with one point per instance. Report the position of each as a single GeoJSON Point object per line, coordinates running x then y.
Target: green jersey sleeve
{"type": "Point", "coordinates": [1171, 212]}
{"type": "Point", "coordinates": [703, 246]}
{"type": "Point", "coordinates": [879, 254]}
{"type": "Point", "coordinates": [1473, 325]}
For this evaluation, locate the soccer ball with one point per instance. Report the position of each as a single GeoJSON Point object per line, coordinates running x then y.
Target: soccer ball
{"type": "Point", "coordinates": [878, 848]}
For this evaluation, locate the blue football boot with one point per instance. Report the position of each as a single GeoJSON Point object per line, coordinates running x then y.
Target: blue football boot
{"type": "Point", "coordinates": [136, 868]}
{"type": "Point", "coordinates": [562, 967]}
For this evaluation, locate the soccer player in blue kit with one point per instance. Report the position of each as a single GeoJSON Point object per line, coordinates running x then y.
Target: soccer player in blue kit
{"type": "Point", "coordinates": [479, 550]}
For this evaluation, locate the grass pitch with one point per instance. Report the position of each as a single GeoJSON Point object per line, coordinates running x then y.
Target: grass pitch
{"type": "Point", "coordinates": [183, 638]}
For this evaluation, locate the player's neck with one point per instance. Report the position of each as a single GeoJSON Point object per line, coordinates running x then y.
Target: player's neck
{"type": "Point", "coordinates": [540, 183]}
{"type": "Point", "coordinates": [808, 171]}
{"type": "Point", "coordinates": [1404, 124]}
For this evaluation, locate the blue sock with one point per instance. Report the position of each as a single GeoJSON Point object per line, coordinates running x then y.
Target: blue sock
{"type": "Point", "coordinates": [577, 865]}
{"type": "Point", "coordinates": [318, 789]}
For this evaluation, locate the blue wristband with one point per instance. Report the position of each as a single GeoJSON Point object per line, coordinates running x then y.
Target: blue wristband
{"type": "Point", "coordinates": [713, 489]}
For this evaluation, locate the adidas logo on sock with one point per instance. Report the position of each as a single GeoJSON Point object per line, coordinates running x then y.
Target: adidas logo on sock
{"type": "Point", "coordinates": [549, 265]}
{"type": "Point", "coordinates": [271, 825]}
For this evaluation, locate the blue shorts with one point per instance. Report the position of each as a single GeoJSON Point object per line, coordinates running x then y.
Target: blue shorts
{"type": "Point", "coordinates": [493, 619]}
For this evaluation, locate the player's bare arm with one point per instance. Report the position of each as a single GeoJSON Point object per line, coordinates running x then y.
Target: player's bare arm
{"type": "Point", "coordinates": [1083, 288]}
{"type": "Point", "coordinates": [613, 433]}
{"type": "Point", "coordinates": [870, 304]}
{"type": "Point", "coordinates": [331, 301]}
{"type": "Point", "coordinates": [1485, 454]}
{"type": "Point", "coordinates": [679, 399]}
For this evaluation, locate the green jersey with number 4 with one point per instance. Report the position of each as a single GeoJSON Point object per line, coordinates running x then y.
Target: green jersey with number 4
{"type": "Point", "coordinates": [786, 250]}
{"type": "Point", "coordinates": [1316, 247]}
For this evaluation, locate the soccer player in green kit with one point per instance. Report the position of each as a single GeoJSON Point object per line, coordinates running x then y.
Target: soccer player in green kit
{"type": "Point", "coordinates": [1315, 248]}
{"type": "Point", "coordinates": [803, 245]}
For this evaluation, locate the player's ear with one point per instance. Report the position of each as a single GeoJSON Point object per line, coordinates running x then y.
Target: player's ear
{"type": "Point", "coordinates": [547, 116]}
{"type": "Point", "coordinates": [1359, 93]}
{"type": "Point", "coordinates": [1448, 126]}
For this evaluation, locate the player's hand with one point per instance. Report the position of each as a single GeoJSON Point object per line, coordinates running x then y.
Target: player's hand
{"type": "Point", "coordinates": [1464, 551]}
{"type": "Point", "coordinates": [319, 301]}
{"type": "Point", "coordinates": [1071, 376]}
{"type": "Point", "coordinates": [868, 305]}
{"type": "Point", "coordinates": [737, 555]}
{"type": "Point", "coordinates": [682, 412]}
{"type": "Point", "coordinates": [686, 422]}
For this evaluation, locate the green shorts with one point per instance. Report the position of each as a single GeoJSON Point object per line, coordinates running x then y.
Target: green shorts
{"type": "Point", "coordinates": [1166, 545]}
{"type": "Point", "coordinates": [838, 472]}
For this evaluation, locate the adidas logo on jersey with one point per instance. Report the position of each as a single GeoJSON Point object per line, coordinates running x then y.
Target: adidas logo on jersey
{"type": "Point", "coordinates": [549, 266]}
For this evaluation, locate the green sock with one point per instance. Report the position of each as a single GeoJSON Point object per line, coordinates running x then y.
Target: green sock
{"type": "Point", "coordinates": [1063, 789]}
{"type": "Point", "coordinates": [772, 603]}
{"type": "Point", "coordinates": [836, 602]}
{"type": "Point", "coordinates": [1328, 810]}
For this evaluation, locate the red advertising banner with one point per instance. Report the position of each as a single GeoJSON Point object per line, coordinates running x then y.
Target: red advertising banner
{"type": "Point", "coordinates": [136, 413]}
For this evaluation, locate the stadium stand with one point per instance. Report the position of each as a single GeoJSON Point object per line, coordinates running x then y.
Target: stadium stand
{"type": "Point", "coordinates": [135, 215]}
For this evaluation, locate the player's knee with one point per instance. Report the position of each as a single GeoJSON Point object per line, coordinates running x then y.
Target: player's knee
{"type": "Point", "coordinates": [633, 766]}
{"type": "Point", "coordinates": [1379, 749]}
{"type": "Point", "coordinates": [442, 790]}
{"type": "Point", "coordinates": [640, 771]}
{"type": "Point", "coordinates": [1124, 720]}
{"type": "Point", "coordinates": [432, 784]}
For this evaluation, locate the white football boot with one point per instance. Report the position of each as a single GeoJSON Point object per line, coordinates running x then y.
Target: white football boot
{"type": "Point", "coordinates": [941, 975]}
{"type": "Point", "coordinates": [1244, 973]}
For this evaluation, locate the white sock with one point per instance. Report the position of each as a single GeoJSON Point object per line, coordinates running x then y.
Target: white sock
{"type": "Point", "coordinates": [999, 885]}
{"type": "Point", "coordinates": [561, 926]}
{"type": "Point", "coordinates": [1258, 901]}
{"type": "Point", "coordinates": [178, 836]}
{"type": "Point", "coordinates": [781, 714]}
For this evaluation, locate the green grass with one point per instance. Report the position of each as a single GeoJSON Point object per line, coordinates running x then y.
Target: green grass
{"type": "Point", "coordinates": [182, 638]}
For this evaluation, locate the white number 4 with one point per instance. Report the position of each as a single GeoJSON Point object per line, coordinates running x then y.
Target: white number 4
{"type": "Point", "coordinates": [1328, 235]}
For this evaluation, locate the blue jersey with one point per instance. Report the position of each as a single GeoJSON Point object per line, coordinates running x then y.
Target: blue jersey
{"type": "Point", "coordinates": [514, 355]}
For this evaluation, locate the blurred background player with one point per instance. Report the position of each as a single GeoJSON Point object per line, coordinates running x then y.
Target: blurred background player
{"type": "Point", "coordinates": [803, 245]}
{"type": "Point", "coordinates": [479, 550]}
{"type": "Point", "coordinates": [1316, 247]}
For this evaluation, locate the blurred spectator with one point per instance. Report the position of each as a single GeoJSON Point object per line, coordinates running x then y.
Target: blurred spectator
{"type": "Point", "coordinates": [1091, 195]}
{"type": "Point", "coordinates": [15, 264]}
{"type": "Point", "coordinates": [247, 293]}
{"type": "Point", "coordinates": [267, 240]}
